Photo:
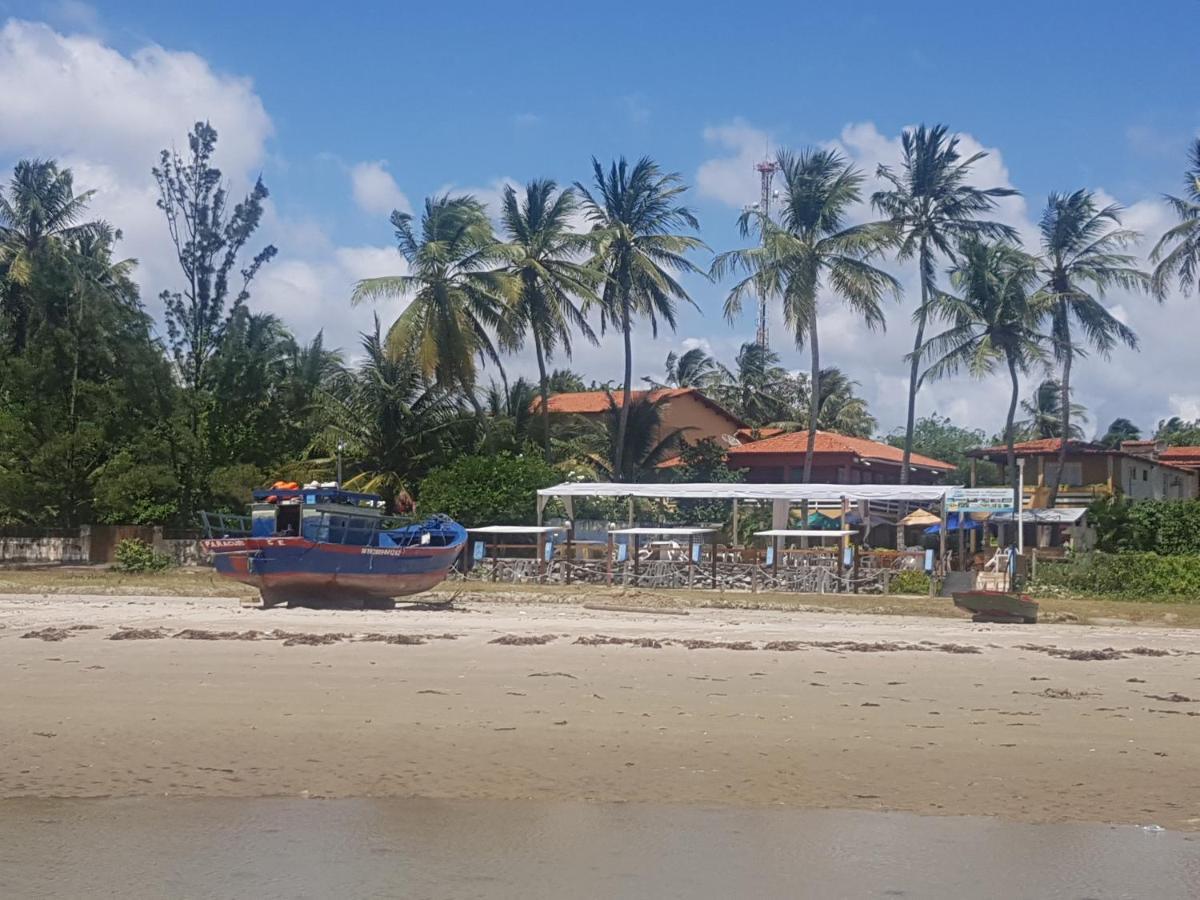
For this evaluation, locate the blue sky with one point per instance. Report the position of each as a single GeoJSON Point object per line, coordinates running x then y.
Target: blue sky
{"type": "Point", "coordinates": [467, 95]}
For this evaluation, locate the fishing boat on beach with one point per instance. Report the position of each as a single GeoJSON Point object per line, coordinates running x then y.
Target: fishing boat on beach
{"type": "Point", "coordinates": [997, 606]}
{"type": "Point", "coordinates": [322, 544]}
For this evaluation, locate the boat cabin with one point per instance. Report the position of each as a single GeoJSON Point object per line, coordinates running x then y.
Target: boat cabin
{"type": "Point", "coordinates": [321, 514]}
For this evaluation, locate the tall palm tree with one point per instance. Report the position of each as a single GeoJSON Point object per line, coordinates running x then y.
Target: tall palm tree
{"type": "Point", "coordinates": [691, 369]}
{"type": "Point", "coordinates": [1081, 259]}
{"type": "Point", "coordinates": [932, 207]}
{"type": "Point", "coordinates": [1119, 431]}
{"type": "Point", "coordinates": [756, 386]}
{"type": "Point", "coordinates": [40, 217]}
{"type": "Point", "coordinates": [1044, 411]}
{"type": "Point", "coordinates": [1181, 261]}
{"type": "Point", "coordinates": [548, 277]}
{"type": "Point", "coordinates": [459, 292]}
{"type": "Point", "coordinates": [995, 319]}
{"type": "Point", "coordinates": [809, 249]}
{"type": "Point", "coordinates": [637, 217]}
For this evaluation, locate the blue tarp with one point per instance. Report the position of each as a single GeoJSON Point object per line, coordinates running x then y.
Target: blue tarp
{"type": "Point", "coordinates": [954, 522]}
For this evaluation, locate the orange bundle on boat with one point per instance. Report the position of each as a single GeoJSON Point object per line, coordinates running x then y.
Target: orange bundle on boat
{"type": "Point", "coordinates": [282, 486]}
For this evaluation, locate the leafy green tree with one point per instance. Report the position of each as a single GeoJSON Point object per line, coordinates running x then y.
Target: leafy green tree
{"type": "Point", "coordinates": [1178, 432]}
{"type": "Point", "coordinates": [810, 249]}
{"type": "Point", "coordinates": [1119, 431]}
{"type": "Point", "coordinates": [1081, 258]}
{"type": "Point", "coordinates": [755, 388]}
{"type": "Point", "coordinates": [994, 320]}
{"type": "Point", "coordinates": [839, 408]}
{"type": "Point", "coordinates": [932, 206]}
{"type": "Point", "coordinates": [637, 218]}
{"type": "Point", "coordinates": [1177, 252]}
{"type": "Point", "coordinates": [549, 282]}
{"type": "Point", "coordinates": [494, 489]}
{"type": "Point", "coordinates": [1044, 411]}
{"type": "Point", "coordinates": [937, 437]}
{"type": "Point", "coordinates": [564, 381]}
{"type": "Point", "coordinates": [209, 240]}
{"type": "Point", "coordinates": [458, 290]}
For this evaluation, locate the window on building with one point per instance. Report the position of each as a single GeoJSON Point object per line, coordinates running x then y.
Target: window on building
{"type": "Point", "coordinates": [1072, 474]}
{"type": "Point", "coordinates": [1145, 474]}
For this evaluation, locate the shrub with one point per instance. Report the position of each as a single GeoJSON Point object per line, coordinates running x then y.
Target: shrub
{"type": "Point", "coordinates": [909, 581]}
{"type": "Point", "coordinates": [487, 490]}
{"type": "Point", "coordinates": [1135, 576]}
{"type": "Point", "coordinates": [1166, 527]}
{"type": "Point", "coordinates": [134, 555]}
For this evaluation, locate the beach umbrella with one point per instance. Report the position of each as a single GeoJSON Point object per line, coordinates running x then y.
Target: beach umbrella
{"type": "Point", "coordinates": [921, 517]}
{"type": "Point", "coordinates": [823, 522]}
{"type": "Point", "coordinates": [955, 522]}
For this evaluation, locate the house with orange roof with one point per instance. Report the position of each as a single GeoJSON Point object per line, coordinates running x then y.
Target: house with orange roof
{"type": "Point", "coordinates": [1140, 470]}
{"type": "Point", "coordinates": [689, 409]}
{"type": "Point", "coordinates": [837, 459]}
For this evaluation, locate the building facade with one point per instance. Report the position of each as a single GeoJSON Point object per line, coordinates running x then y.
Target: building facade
{"type": "Point", "coordinates": [837, 459]}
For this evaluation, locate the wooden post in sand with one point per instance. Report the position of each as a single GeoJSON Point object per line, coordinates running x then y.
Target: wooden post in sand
{"type": "Point", "coordinates": [691, 562]}
{"type": "Point", "coordinates": [609, 561]}
{"type": "Point", "coordinates": [570, 550]}
{"type": "Point", "coordinates": [714, 559]}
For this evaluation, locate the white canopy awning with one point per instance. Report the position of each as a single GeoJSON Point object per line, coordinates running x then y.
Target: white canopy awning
{"type": "Point", "coordinates": [795, 493]}
{"type": "Point", "coordinates": [682, 532]}
{"type": "Point", "coordinates": [516, 529]}
{"type": "Point", "coordinates": [802, 532]}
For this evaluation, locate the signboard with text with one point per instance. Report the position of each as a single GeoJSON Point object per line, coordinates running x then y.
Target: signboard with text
{"type": "Point", "coordinates": [969, 500]}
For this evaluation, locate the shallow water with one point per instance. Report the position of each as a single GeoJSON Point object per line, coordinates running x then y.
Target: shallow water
{"type": "Point", "coordinates": [467, 849]}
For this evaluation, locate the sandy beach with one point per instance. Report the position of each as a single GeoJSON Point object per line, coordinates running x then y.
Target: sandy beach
{"type": "Point", "coordinates": [198, 697]}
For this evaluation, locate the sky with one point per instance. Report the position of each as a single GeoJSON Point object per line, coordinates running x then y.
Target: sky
{"type": "Point", "coordinates": [351, 110]}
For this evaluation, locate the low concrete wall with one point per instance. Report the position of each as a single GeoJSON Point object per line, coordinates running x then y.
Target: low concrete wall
{"type": "Point", "coordinates": [48, 550]}
{"type": "Point", "coordinates": [77, 549]}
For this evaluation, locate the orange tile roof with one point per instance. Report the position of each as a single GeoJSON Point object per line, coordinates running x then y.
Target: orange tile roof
{"type": "Point", "coordinates": [748, 435]}
{"type": "Point", "coordinates": [1041, 445]}
{"type": "Point", "coordinates": [1181, 455]}
{"type": "Point", "coordinates": [593, 402]}
{"type": "Point", "coordinates": [831, 442]}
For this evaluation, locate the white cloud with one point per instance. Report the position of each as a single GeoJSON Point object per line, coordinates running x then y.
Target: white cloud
{"type": "Point", "coordinates": [375, 190]}
{"type": "Point", "coordinates": [106, 114]}
{"type": "Point", "coordinates": [731, 178]}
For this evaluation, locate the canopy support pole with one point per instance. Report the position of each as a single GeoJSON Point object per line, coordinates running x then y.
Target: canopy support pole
{"type": "Point", "coordinates": [736, 542]}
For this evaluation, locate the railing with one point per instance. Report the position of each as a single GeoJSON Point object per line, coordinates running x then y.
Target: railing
{"type": "Point", "coordinates": [225, 525]}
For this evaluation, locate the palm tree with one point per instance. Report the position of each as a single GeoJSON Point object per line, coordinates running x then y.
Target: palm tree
{"type": "Point", "coordinates": [636, 216]}
{"type": "Point", "coordinates": [839, 408]}
{"type": "Point", "coordinates": [692, 369]}
{"type": "Point", "coordinates": [565, 381]}
{"type": "Point", "coordinates": [40, 218]}
{"type": "Point", "coordinates": [394, 423]}
{"type": "Point", "coordinates": [547, 276]}
{"type": "Point", "coordinates": [645, 443]}
{"type": "Point", "coordinates": [1182, 261]}
{"type": "Point", "coordinates": [933, 208]}
{"type": "Point", "coordinates": [1119, 431]}
{"type": "Point", "coordinates": [1081, 245]}
{"type": "Point", "coordinates": [755, 387]}
{"type": "Point", "coordinates": [1044, 409]}
{"type": "Point", "coordinates": [458, 293]}
{"type": "Point", "coordinates": [810, 248]}
{"type": "Point", "coordinates": [995, 320]}
{"type": "Point", "coordinates": [509, 423]}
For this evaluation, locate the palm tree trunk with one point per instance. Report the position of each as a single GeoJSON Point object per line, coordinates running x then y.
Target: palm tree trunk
{"type": "Point", "coordinates": [1010, 437]}
{"type": "Point", "coordinates": [1065, 412]}
{"type": "Point", "coordinates": [814, 395]}
{"type": "Point", "coordinates": [914, 372]}
{"type": "Point", "coordinates": [623, 419]}
{"type": "Point", "coordinates": [544, 386]}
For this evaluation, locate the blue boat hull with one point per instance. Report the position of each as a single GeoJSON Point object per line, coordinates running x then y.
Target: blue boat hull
{"type": "Point", "coordinates": [295, 569]}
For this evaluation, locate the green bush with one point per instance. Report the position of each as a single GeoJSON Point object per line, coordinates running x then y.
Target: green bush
{"type": "Point", "coordinates": [909, 581]}
{"type": "Point", "coordinates": [1135, 576]}
{"type": "Point", "coordinates": [134, 555]}
{"type": "Point", "coordinates": [1167, 527]}
{"type": "Point", "coordinates": [487, 490]}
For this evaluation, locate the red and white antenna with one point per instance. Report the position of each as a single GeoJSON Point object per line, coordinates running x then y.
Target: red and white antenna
{"type": "Point", "coordinates": [766, 170]}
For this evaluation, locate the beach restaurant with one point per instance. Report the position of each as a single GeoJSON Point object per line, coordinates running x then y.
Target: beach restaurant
{"type": "Point", "coordinates": [847, 537]}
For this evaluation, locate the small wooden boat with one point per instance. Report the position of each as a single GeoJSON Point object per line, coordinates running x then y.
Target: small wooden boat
{"type": "Point", "coordinates": [997, 606]}
{"type": "Point", "coordinates": [323, 545]}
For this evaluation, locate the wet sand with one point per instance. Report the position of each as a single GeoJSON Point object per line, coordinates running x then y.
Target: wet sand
{"type": "Point", "coordinates": [475, 849]}
{"type": "Point", "coordinates": [1031, 723]}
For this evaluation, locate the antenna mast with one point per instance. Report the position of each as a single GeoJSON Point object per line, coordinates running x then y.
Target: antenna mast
{"type": "Point", "coordinates": [766, 170]}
